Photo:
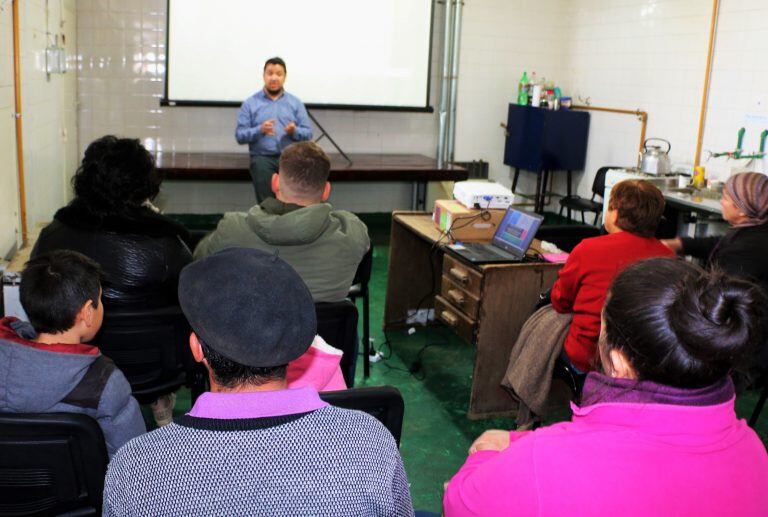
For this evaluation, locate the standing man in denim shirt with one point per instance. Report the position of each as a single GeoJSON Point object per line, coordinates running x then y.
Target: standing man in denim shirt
{"type": "Point", "coordinates": [269, 121]}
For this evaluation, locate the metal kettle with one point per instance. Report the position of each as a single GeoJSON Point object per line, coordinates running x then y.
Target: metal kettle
{"type": "Point", "coordinates": [654, 160]}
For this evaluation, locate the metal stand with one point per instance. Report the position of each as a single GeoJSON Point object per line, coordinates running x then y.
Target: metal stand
{"type": "Point", "coordinates": [324, 133]}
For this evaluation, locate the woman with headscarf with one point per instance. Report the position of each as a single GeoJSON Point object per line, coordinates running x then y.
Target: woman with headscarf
{"type": "Point", "coordinates": [743, 250]}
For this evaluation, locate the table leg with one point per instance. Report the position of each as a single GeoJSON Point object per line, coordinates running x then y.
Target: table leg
{"type": "Point", "coordinates": [419, 195]}
{"type": "Point", "coordinates": [568, 190]}
{"type": "Point", "coordinates": [537, 194]}
{"type": "Point", "coordinates": [514, 179]}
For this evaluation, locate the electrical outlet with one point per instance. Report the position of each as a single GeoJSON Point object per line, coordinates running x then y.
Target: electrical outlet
{"type": "Point", "coordinates": [420, 317]}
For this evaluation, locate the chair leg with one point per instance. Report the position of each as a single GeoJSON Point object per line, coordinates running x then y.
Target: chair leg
{"type": "Point", "coordinates": [366, 335]}
{"type": "Point", "coordinates": [582, 217]}
{"type": "Point", "coordinates": [597, 215]}
{"type": "Point", "coordinates": [759, 406]}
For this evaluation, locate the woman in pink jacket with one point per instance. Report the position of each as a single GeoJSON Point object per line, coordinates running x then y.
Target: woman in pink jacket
{"type": "Point", "coordinates": [656, 433]}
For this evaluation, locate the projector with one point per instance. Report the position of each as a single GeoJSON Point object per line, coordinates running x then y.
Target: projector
{"type": "Point", "coordinates": [482, 194]}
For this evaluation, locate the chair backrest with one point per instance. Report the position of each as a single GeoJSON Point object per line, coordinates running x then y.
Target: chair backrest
{"type": "Point", "coordinates": [385, 403]}
{"type": "Point", "coordinates": [337, 325]}
{"type": "Point", "coordinates": [151, 347]}
{"type": "Point", "coordinates": [566, 236]}
{"type": "Point", "coordinates": [363, 273]}
{"type": "Point", "coordinates": [51, 464]}
{"type": "Point", "coordinates": [598, 185]}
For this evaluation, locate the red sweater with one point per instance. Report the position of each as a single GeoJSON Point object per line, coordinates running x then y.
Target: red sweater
{"type": "Point", "coordinates": [583, 283]}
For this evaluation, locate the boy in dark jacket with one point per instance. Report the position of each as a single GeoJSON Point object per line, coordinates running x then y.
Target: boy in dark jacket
{"type": "Point", "coordinates": [45, 365]}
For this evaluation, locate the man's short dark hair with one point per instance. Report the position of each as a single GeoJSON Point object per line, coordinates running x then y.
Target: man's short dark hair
{"type": "Point", "coordinates": [275, 61]}
{"type": "Point", "coordinates": [55, 286]}
{"type": "Point", "coordinates": [639, 206]}
{"type": "Point", "coordinates": [229, 374]}
{"type": "Point", "coordinates": [306, 167]}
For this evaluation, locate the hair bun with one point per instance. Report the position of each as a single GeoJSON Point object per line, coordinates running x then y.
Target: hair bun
{"type": "Point", "coordinates": [715, 317]}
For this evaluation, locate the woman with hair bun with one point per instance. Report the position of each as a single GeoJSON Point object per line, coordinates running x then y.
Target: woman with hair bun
{"type": "Point", "coordinates": [656, 432]}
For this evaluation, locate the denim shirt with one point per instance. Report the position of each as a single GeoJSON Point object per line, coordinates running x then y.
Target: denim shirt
{"type": "Point", "coordinates": [259, 108]}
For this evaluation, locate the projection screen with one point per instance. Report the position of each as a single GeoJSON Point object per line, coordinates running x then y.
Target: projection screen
{"type": "Point", "coordinates": [347, 54]}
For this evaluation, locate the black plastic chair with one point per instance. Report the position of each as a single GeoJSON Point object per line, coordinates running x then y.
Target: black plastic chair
{"type": "Point", "coordinates": [151, 348]}
{"type": "Point", "coordinates": [567, 236]}
{"type": "Point", "coordinates": [337, 325]}
{"type": "Point", "coordinates": [385, 403]}
{"type": "Point", "coordinates": [51, 464]}
{"type": "Point", "coordinates": [359, 289]}
{"type": "Point", "coordinates": [760, 403]}
{"type": "Point", "coordinates": [579, 204]}
{"type": "Point", "coordinates": [575, 380]}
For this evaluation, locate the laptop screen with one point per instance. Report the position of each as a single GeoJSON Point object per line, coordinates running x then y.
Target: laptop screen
{"type": "Point", "coordinates": [516, 231]}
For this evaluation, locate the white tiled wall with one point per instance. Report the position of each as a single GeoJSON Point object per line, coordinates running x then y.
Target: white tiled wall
{"type": "Point", "coordinates": [646, 54]}
{"type": "Point", "coordinates": [49, 109]}
{"type": "Point", "coordinates": [9, 199]}
{"type": "Point", "coordinates": [652, 55]}
{"type": "Point", "coordinates": [739, 92]}
{"type": "Point", "coordinates": [500, 39]}
{"type": "Point", "coordinates": [121, 47]}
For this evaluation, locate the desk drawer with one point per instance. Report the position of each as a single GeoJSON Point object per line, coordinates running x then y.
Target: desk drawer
{"type": "Point", "coordinates": [465, 276]}
{"type": "Point", "coordinates": [455, 319]}
{"type": "Point", "coordinates": [459, 297]}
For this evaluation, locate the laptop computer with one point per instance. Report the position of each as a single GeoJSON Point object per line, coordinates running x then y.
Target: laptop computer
{"type": "Point", "coordinates": [510, 242]}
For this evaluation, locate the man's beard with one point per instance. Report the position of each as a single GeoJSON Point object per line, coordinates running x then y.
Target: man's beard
{"type": "Point", "coordinates": [275, 92]}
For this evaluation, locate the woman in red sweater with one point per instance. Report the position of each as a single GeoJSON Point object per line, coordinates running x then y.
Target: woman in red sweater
{"type": "Point", "coordinates": [634, 211]}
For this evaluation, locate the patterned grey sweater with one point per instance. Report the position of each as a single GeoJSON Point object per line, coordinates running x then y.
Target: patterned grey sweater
{"type": "Point", "coordinates": [330, 461]}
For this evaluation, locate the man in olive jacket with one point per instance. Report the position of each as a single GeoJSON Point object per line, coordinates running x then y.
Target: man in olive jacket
{"type": "Point", "coordinates": [323, 245]}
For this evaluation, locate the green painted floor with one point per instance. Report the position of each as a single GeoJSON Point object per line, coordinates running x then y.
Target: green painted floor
{"type": "Point", "coordinates": [436, 431]}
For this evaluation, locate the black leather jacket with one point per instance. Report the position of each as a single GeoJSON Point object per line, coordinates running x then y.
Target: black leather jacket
{"type": "Point", "coordinates": [141, 252]}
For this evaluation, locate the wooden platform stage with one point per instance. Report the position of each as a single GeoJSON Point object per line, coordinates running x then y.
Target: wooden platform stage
{"type": "Point", "coordinates": [414, 168]}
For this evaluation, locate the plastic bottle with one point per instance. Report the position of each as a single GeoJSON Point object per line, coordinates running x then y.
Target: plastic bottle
{"type": "Point", "coordinates": [522, 90]}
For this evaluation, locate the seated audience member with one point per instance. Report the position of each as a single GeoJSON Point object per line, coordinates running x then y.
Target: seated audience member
{"type": "Point", "coordinates": [45, 365]}
{"type": "Point", "coordinates": [634, 211]}
{"type": "Point", "coordinates": [656, 433]}
{"type": "Point", "coordinates": [250, 445]}
{"type": "Point", "coordinates": [742, 251]}
{"type": "Point", "coordinates": [323, 245]}
{"type": "Point", "coordinates": [112, 221]}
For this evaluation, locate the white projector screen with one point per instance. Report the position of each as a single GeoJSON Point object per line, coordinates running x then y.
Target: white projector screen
{"type": "Point", "coordinates": [353, 54]}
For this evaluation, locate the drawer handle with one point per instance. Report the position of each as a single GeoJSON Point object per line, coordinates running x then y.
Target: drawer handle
{"type": "Point", "coordinates": [449, 318]}
{"type": "Point", "coordinates": [459, 274]}
{"type": "Point", "coordinates": [456, 296]}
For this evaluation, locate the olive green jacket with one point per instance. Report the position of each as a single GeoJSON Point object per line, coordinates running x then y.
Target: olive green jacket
{"type": "Point", "coordinates": [323, 245]}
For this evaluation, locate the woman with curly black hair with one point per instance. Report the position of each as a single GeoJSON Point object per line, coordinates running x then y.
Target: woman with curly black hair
{"type": "Point", "coordinates": [112, 221]}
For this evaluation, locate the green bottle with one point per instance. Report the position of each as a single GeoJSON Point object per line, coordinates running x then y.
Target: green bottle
{"type": "Point", "coordinates": [522, 90]}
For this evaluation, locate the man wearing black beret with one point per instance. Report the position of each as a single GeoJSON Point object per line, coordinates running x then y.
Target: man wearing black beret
{"type": "Point", "coordinates": [250, 445]}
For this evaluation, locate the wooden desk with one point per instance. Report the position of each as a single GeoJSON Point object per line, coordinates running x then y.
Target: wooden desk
{"type": "Point", "coordinates": [415, 168]}
{"type": "Point", "coordinates": [420, 265]}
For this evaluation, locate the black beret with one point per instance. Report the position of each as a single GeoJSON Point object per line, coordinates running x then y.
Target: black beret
{"type": "Point", "coordinates": [248, 305]}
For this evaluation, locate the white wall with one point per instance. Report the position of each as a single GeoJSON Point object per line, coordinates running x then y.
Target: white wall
{"type": "Point", "coordinates": [652, 55]}
{"type": "Point", "coordinates": [121, 48]}
{"type": "Point", "coordinates": [626, 54]}
{"type": "Point", "coordinates": [499, 40]}
{"type": "Point", "coordinates": [739, 92]}
{"type": "Point", "coordinates": [49, 109]}
{"type": "Point", "coordinates": [10, 232]}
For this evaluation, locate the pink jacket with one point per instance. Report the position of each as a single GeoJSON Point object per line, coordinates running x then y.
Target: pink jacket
{"type": "Point", "coordinates": [624, 458]}
{"type": "Point", "coordinates": [318, 368]}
